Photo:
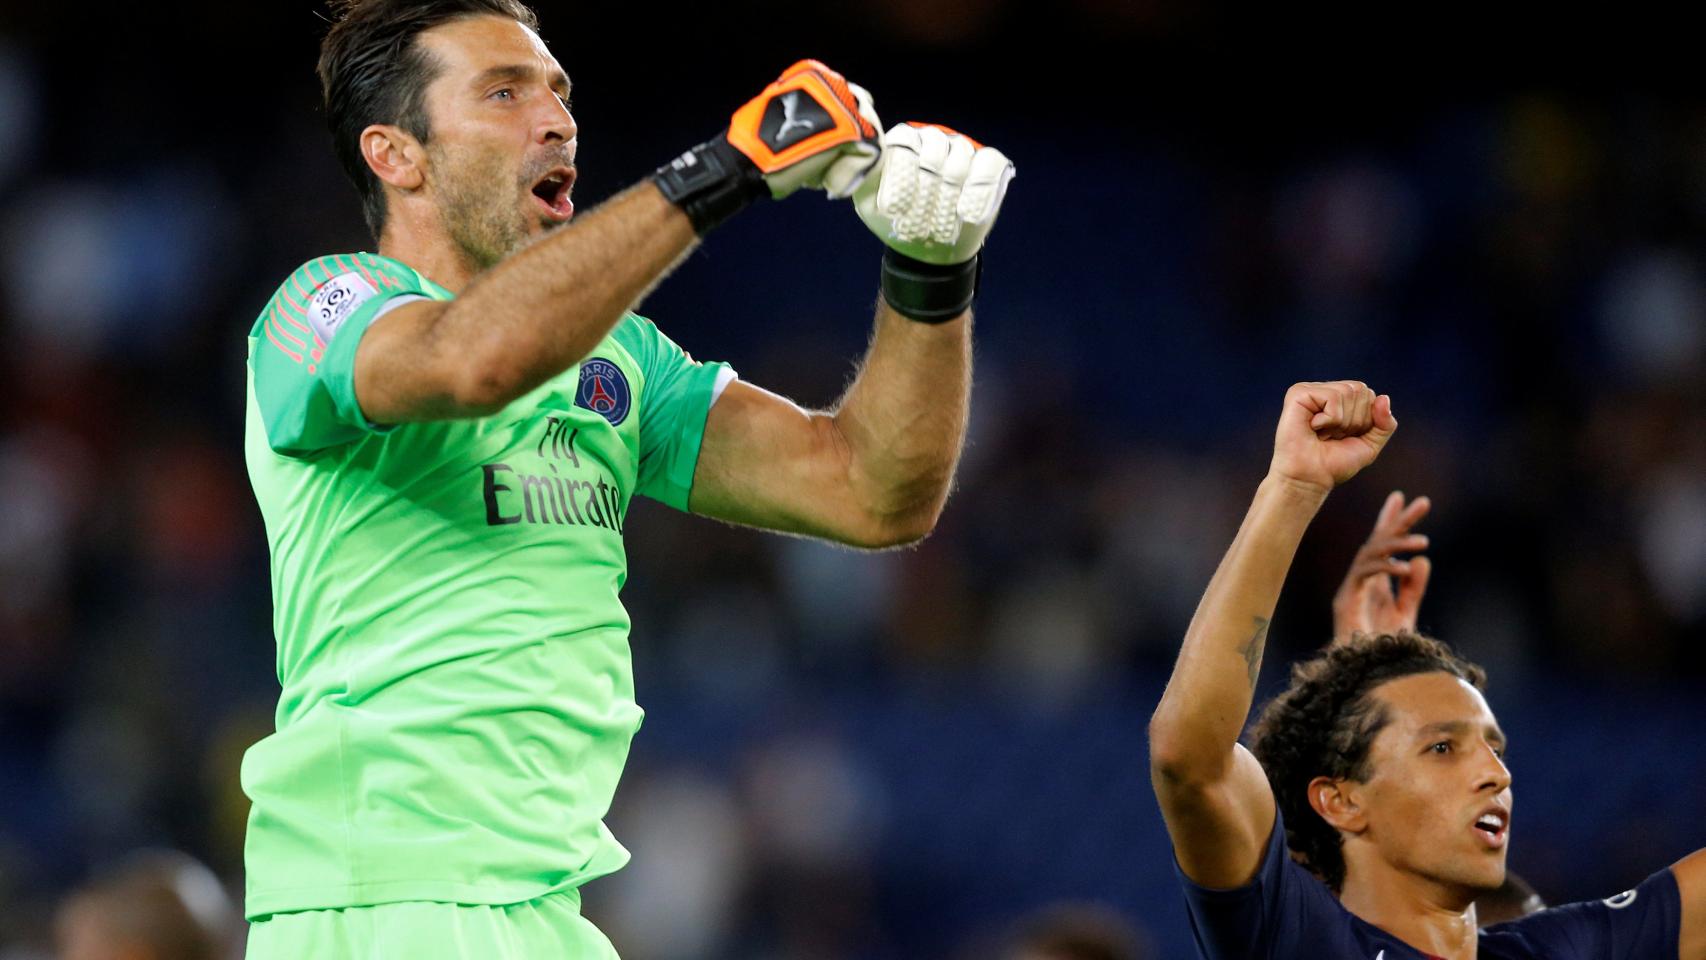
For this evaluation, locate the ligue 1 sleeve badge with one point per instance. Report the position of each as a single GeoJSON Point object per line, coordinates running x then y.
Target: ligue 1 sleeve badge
{"type": "Point", "coordinates": [604, 390]}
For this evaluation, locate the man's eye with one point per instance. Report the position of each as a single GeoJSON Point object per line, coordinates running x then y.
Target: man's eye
{"type": "Point", "coordinates": [566, 104]}
{"type": "Point", "coordinates": [505, 94]}
{"type": "Point", "coordinates": [1444, 746]}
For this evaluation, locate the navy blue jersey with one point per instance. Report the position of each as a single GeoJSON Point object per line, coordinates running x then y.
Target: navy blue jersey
{"type": "Point", "coordinates": [1285, 913]}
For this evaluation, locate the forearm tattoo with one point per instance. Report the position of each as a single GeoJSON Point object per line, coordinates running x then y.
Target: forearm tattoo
{"type": "Point", "coordinates": [1252, 649]}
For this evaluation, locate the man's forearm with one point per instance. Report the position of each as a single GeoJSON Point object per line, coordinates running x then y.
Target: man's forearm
{"type": "Point", "coordinates": [1213, 685]}
{"type": "Point", "coordinates": [542, 310]}
{"type": "Point", "coordinates": [904, 418]}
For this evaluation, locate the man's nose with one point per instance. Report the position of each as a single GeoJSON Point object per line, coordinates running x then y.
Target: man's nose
{"type": "Point", "coordinates": [558, 125]}
{"type": "Point", "coordinates": [1496, 775]}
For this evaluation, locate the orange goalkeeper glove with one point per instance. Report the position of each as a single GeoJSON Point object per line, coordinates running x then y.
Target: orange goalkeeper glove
{"type": "Point", "coordinates": [811, 129]}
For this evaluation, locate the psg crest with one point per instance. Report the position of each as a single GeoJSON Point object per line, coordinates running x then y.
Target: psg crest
{"type": "Point", "coordinates": [604, 390]}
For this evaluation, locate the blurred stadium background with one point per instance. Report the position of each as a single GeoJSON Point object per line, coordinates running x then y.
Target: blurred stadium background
{"type": "Point", "coordinates": [904, 755]}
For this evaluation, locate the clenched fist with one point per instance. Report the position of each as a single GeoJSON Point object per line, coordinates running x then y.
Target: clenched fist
{"type": "Point", "coordinates": [1330, 431]}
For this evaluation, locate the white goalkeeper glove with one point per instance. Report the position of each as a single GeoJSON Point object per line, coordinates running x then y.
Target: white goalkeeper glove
{"type": "Point", "coordinates": [932, 200]}
{"type": "Point", "coordinates": [935, 194]}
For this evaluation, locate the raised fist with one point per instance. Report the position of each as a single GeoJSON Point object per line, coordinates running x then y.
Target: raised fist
{"type": "Point", "coordinates": [1329, 431]}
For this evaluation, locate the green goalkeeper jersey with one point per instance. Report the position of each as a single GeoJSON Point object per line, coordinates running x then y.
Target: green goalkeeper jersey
{"type": "Point", "coordinates": [458, 697]}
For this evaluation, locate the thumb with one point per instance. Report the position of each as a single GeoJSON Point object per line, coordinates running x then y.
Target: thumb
{"type": "Point", "coordinates": [858, 164]}
{"type": "Point", "coordinates": [1385, 424]}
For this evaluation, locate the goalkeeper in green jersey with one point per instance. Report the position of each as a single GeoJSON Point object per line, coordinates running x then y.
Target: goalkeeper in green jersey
{"type": "Point", "coordinates": [444, 437]}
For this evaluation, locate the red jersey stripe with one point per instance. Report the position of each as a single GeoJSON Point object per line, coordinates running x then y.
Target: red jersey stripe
{"type": "Point", "coordinates": [295, 321]}
{"type": "Point", "coordinates": [272, 322]}
{"type": "Point", "coordinates": [292, 354]}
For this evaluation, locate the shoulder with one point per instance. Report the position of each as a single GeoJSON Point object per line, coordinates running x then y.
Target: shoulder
{"type": "Point", "coordinates": [637, 335]}
{"type": "Point", "coordinates": [358, 270]}
{"type": "Point", "coordinates": [1641, 922]}
{"type": "Point", "coordinates": [1283, 912]}
{"type": "Point", "coordinates": [318, 297]}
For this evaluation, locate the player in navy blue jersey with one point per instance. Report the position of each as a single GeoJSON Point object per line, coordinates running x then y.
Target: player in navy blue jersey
{"type": "Point", "coordinates": [1373, 805]}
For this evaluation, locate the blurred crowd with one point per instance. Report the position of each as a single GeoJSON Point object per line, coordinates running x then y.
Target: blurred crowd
{"type": "Point", "coordinates": [937, 752]}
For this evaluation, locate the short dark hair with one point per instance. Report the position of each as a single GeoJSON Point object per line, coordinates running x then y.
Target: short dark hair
{"type": "Point", "coordinates": [1324, 724]}
{"type": "Point", "coordinates": [372, 71]}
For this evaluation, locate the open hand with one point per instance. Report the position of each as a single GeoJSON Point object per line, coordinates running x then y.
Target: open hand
{"type": "Point", "coordinates": [1381, 592]}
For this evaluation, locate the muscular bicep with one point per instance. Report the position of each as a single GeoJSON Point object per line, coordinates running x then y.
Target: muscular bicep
{"type": "Point", "coordinates": [1690, 874]}
{"type": "Point", "coordinates": [403, 373]}
{"type": "Point", "coordinates": [1219, 828]}
{"type": "Point", "coordinates": [767, 462]}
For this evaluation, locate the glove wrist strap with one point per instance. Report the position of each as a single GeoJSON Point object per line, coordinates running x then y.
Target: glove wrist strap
{"type": "Point", "coordinates": [929, 292]}
{"type": "Point", "coordinates": [711, 183]}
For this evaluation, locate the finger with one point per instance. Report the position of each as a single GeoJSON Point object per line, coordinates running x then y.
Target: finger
{"type": "Point", "coordinates": [1390, 510]}
{"type": "Point", "coordinates": [1413, 513]}
{"type": "Point", "coordinates": [1382, 417]}
{"type": "Point", "coordinates": [1412, 587]}
{"type": "Point", "coordinates": [1350, 418]}
{"type": "Point", "coordinates": [1326, 405]}
{"type": "Point", "coordinates": [1384, 423]}
{"type": "Point", "coordinates": [866, 106]}
{"type": "Point", "coordinates": [934, 149]}
{"type": "Point", "coordinates": [986, 184]}
{"type": "Point", "coordinates": [902, 148]}
{"type": "Point", "coordinates": [1351, 410]}
{"type": "Point", "coordinates": [1362, 402]}
{"type": "Point", "coordinates": [1375, 570]}
{"type": "Point", "coordinates": [1406, 543]}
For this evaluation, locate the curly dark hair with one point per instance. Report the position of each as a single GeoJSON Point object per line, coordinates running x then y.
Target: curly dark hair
{"type": "Point", "coordinates": [372, 71]}
{"type": "Point", "coordinates": [1324, 724]}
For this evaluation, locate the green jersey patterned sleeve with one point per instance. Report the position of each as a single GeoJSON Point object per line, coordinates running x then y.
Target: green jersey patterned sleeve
{"type": "Point", "coordinates": [679, 391]}
{"type": "Point", "coordinates": [302, 355]}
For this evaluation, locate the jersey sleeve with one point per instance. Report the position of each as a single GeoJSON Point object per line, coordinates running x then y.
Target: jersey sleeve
{"type": "Point", "coordinates": [679, 391]}
{"type": "Point", "coordinates": [1283, 912]}
{"type": "Point", "coordinates": [303, 359]}
{"type": "Point", "coordinates": [1634, 925]}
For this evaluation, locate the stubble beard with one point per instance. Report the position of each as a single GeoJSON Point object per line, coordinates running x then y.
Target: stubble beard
{"type": "Point", "coordinates": [479, 204]}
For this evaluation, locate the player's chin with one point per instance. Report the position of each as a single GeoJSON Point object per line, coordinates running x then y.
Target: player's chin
{"type": "Point", "coordinates": [1488, 874]}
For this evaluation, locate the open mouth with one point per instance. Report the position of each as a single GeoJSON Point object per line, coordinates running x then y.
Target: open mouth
{"type": "Point", "coordinates": [1493, 826]}
{"type": "Point", "coordinates": [552, 191]}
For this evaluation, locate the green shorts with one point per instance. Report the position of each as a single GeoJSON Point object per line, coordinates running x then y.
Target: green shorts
{"type": "Point", "coordinates": [549, 927]}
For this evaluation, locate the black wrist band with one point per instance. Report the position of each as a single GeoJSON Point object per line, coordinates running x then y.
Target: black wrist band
{"type": "Point", "coordinates": [711, 183]}
{"type": "Point", "coordinates": [929, 292]}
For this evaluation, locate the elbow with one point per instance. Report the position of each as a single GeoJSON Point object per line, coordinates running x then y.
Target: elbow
{"type": "Point", "coordinates": [482, 387]}
{"type": "Point", "coordinates": [1173, 757]}
{"type": "Point", "coordinates": [904, 520]}
{"type": "Point", "coordinates": [1166, 760]}
{"type": "Point", "coordinates": [878, 531]}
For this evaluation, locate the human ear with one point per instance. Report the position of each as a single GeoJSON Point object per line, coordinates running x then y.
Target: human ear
{"type": "Point", "coordinates": [1336, 801]}
{"type": "Point", "coordinates": [394, 156]}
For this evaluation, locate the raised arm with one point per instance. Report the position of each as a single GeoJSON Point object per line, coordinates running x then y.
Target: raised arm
{"type": "Point", "coordinates": [875, 470]}
{"type": "Point", "coordinates": [1213, 794]}
{"type": "Point", "coordinates": [540, 311]}
{"type": "Point", "coordinates": [523, 321]}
